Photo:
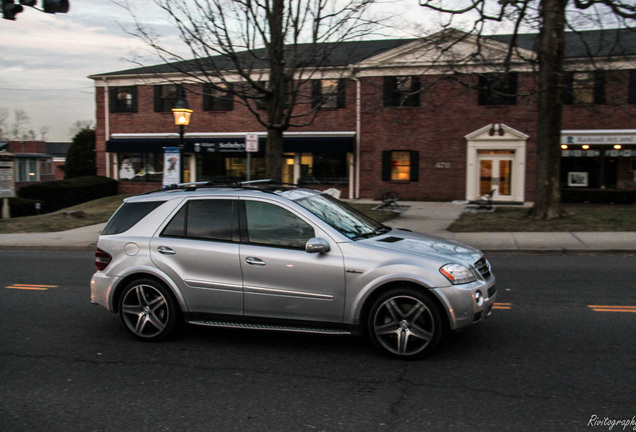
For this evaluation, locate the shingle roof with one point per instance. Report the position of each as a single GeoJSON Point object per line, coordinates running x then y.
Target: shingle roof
{"type": "Point", "coordinates": [596, 43]}
{"type": "Point", "coordinates": [592, 43]}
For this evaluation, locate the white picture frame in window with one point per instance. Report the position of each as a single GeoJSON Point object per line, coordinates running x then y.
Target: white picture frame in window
{"type": "Point", "coordinates": [577, 179]}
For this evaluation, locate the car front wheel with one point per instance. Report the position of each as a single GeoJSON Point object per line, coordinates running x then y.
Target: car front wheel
{"type": "Point", "coordinates": [148, 310]}
{"type": "Point", "coordinates": [404, 323]}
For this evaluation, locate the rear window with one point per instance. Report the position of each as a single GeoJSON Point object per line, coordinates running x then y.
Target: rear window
{"type": "Point", "coordinates": [128, 215]}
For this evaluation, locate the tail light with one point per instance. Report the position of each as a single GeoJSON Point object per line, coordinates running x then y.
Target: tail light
{"type": "Point", "coordinates": [102, 259]}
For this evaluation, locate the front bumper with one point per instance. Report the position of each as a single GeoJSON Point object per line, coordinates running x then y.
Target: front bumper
{"type": "Point", "coordinates": [468, 304]}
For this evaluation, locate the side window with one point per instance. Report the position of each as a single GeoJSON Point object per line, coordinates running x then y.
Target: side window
{"type": "Point", "coordinates": [204, 220]}
{"type": "Point", "coordinates": [269, 224]}
{"type": "Point", "coordinates": [128, 215]}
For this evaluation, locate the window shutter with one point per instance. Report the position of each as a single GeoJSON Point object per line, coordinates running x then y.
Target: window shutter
{"type": "Point", "coordinates": [342, 90]}
{"type": "Point", "coordinates": [568, 81]}
{"type": "Point", "coordinates": [386, 165]}
{"type": "Point", "coordinates": [599, 87]}
{"type": "Point", "coordinates": [316, 93]}
{"type": "Point", "coordinates": [112, 99]}
{"type": "Point", "coordinates": [631, 98]}
{"type": "Point", "coordinates": [157, 100]}
{"type": "Point", "coordinates": [484, 89]}
{"type": "Point", "coordinates": [415, 166]}
{"type": "Point", "coordinates": [389, 91]}
{"type": "Point", "coordinates": [414, 98]}
{"type": "Point", "coordinates": [133, 92]}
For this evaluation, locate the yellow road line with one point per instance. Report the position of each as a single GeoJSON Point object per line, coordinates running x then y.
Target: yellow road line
{"type": "Point", "coordinates": [502, 306]}
{"type": "Point", "coordinates": [32, 287]}
{"type": "Point", "coordinates": [612, 308]}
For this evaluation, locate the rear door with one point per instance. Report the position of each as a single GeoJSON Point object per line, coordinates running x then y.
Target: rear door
{"type": "Point", "coordinates": [199, 250]}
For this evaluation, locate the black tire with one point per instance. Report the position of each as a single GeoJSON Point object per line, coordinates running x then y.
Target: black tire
{"type": "Point", "coordinates": [404, 323]}
{"type": "Point", "coordinates": [148, 310]}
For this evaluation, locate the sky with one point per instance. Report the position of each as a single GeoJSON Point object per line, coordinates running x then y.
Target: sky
{"type": "Point", "coordinates": [45, 59]}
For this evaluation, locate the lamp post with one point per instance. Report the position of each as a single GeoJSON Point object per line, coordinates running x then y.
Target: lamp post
{"type": "Point", "coordinates": [182, 113]}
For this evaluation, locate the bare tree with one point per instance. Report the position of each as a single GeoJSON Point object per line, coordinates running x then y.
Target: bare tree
{"type": "Point", "coordinates": [261, 52]}
{"type": "Point", "coordinates": [550, 18]}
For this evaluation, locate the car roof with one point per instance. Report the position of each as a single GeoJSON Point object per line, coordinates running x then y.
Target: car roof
{"type": "Point", "coordinates": [284, 191]}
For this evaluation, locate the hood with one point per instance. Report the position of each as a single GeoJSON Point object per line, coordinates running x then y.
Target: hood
{"type": "Point", "coordinates": [425, 245]}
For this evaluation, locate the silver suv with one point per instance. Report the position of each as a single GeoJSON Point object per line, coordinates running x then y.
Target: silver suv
{"type": "Point", "coordinates": [283, 258]}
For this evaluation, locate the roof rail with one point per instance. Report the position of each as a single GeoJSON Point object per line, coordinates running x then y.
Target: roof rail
{"type": "Point", "coordinates": [248, 184]}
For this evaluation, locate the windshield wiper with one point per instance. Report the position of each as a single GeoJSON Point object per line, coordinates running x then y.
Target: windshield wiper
{"type": "Point", "coordinates": [376, 232]}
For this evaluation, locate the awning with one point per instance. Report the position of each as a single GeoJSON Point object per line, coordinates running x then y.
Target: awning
{"type": "Point", "coordinates": [230, 145]}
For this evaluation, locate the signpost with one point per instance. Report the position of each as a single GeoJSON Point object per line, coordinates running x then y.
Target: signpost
{"type": "Point", "coordinates": [251, 146]}
{"type": "Point", "coordinates": [7, 181]}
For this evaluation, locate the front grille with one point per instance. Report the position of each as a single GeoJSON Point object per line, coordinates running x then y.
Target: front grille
{"type": "Point", "coordinates": [483, 267]}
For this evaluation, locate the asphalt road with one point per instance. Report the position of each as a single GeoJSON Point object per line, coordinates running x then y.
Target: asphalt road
{"type": "Point", "coordinates": [545, 361]}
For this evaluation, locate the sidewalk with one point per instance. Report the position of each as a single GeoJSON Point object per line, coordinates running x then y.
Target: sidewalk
{"type": "Point", "coordinates": [428, 217]}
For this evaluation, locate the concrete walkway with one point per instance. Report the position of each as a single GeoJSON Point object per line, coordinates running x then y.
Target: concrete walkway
{"type": "Point", "coordinates": [428, 217]}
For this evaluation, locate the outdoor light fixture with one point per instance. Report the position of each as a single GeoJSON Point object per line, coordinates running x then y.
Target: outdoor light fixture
{"type": "Point", "coordinates": [564, 146]}
{"type": "Point", "coordinates": [182, 113]}
{"type": "Point", "coordinates": [618, 146]}
{"type": "Point", "coordinates": [585, 147]}
{"type": "Point", "coordinates": [182, 110]}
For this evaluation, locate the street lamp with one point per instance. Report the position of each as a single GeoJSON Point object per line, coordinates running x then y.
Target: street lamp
{"type": "Point", "coordinates": [182, 113]}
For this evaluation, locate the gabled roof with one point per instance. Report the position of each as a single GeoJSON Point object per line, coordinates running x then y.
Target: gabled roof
{"type": "Point", "coordinates": [595, 43]}
{"type": "Point", "coordinates": [591, 43]}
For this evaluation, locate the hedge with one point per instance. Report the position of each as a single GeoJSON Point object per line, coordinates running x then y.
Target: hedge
{"type": "Point", "coordinates": [61, 194]}
{"type": "Point", "coordinates": [598, 196]}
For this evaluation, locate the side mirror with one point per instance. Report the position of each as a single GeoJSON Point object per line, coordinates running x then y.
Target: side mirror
{"type": "Point", "coordinates": [317, 245]}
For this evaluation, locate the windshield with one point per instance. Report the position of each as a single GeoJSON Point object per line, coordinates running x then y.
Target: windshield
{"type": "Point", "coordinates": [342, 217]}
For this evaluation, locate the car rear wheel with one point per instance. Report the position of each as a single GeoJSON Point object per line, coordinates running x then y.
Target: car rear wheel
{"type": "Point", "coordinates": [148, 310]}
{"type": "Point", "coordinates": [404, 323]}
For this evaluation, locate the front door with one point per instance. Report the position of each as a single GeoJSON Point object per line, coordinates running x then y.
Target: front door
{"type": "Point", "coordinates": [495, 172]}
{"type": "Point", "coordinates": [280, 279]}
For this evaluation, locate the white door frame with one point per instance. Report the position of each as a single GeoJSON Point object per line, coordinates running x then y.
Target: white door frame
{"type": "Point", "coordinates": [496, 137]}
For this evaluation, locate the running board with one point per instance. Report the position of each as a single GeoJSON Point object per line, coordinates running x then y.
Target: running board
{"type": "Point", "coordinates": [296, 329]}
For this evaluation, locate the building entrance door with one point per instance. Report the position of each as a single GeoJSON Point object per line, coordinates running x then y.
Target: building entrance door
{"type": "Point", "coordinates": [495, 172]}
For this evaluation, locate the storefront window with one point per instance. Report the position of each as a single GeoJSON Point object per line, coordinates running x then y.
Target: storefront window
{"type": "Point", "coordinates": [222, 167]}
{"type": "Point", "coordinates": [141, 166]}
{"type": "Point", "coordinates": [323, 168]}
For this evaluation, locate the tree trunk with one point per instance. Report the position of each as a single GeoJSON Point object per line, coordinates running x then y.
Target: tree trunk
{"type": "Point", "coordinates": [274, 155]}
{"type": "Point", "coordinates": [276, 97]}
{"type": "Point", "coordinates": [550, 106]}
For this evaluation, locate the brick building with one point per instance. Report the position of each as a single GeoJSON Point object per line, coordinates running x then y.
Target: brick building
{"type": "Point", "coordinates": [403, 115]}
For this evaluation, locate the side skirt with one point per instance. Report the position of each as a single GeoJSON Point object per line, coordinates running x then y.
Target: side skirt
{"type": "Point", "coordinates": [272, 327]}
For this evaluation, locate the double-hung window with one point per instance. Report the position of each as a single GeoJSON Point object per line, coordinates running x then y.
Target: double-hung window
{"type": "Point", "coordinates": [217, 98]}
{"type": "Point", "coordinates": [402, 91]}
{"type": "Point", "coordinates": [400, 165]}
{"type": "Point", "coordinates": [584, 88]}
{"type": "Point", "coordinates": [328, 93]}
{"type": "Point", "coordinates": [166, 97]}
{"type": "Point", "coordinates": [123, 99]}
{"type": "Point", "coordinates": [498, 89]}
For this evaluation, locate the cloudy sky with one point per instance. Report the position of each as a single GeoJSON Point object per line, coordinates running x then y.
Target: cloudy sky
{"type": "Point", "coordinates": [45, 59]}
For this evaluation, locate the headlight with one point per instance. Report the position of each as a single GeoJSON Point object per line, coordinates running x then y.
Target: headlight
{"type": "Point", "coordinates": [457, 274]}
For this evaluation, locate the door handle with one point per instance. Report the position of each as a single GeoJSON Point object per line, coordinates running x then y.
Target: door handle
{"type": "Point", "coordinates": [165, 250]}
{"type": "Point", "coordinates": [255, 261]}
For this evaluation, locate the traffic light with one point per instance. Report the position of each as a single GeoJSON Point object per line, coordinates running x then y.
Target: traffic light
{"type": "Point", "coordinates": [55, 6]}
{"type": "Point", "coordinates": [10, 9]}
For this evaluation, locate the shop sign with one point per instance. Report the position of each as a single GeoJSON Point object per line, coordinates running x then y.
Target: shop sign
{"type": "Point", "coordinates": [219, 147]}
{"type": "Point", "coordinates": [598, 139]}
